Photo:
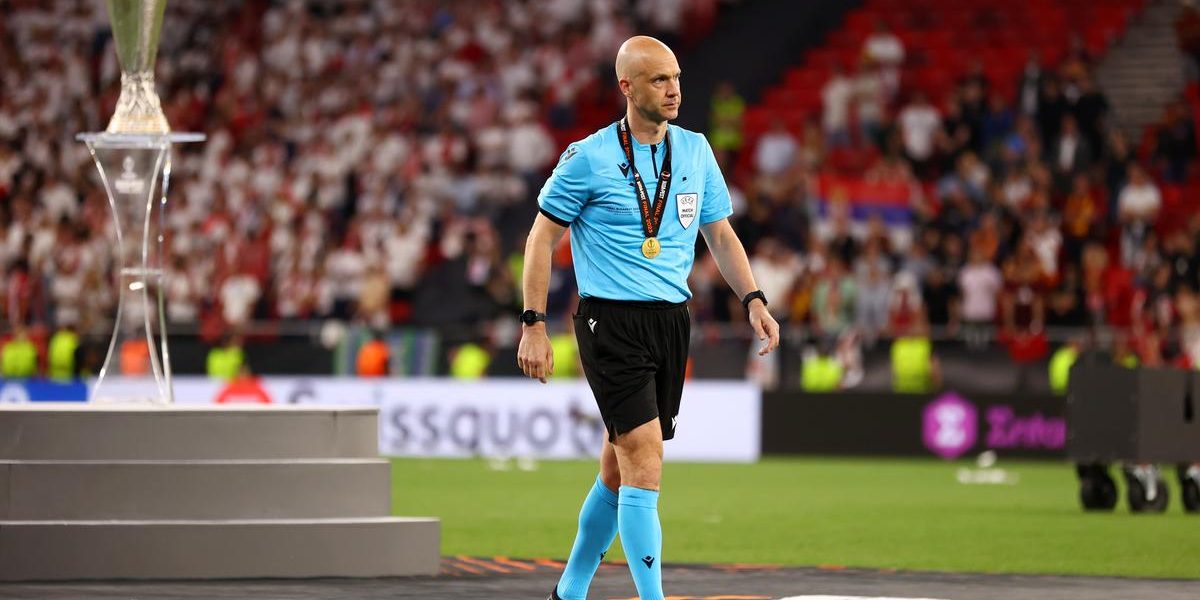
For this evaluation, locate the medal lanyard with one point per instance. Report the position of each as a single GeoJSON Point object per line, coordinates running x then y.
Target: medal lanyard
{"type": "Point", "coordinates": [651, 216]}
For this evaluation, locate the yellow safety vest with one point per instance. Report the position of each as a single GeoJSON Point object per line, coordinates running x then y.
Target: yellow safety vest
{"type": "Point", "coordinates": [18, 359]}
{"type": "Point", "coordinates": [225, 363]}
{"type": "Point", "coordinates": [1060, 368]}
{"type": "Point", "coordinates": [470, 362]}
{"type": "Point", "coordinates": [63, 345]}
{"type": "Point", "coordinates": [821, 374]}
{"type": "Point", "coordinates": [566, 355]}
{"type": "Point", "coordinates": [911, 371]}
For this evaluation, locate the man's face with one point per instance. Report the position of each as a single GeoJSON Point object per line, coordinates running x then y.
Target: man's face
{"type": "Point", "coordinates": [654, 88]}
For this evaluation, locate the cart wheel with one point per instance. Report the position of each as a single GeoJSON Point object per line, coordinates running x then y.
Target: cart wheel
{"type": "Point", "coordinates": [1148, 491]}
{"type": "Point", "coordinates": [1097, 490]}
{"type": "Point", "coordinates": [1189, 487]}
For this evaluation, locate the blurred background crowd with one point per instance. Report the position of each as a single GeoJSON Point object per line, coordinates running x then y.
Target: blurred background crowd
{"type": "Point", "coordinates": [955, 175]}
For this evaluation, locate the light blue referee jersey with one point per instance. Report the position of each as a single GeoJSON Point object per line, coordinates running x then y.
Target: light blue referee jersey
{"type": "Point", "coordinates": [591, 190]}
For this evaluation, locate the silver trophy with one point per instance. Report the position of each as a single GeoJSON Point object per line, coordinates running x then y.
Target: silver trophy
{"type": "Point", "coordinates": [136, 25]}
{"type": "Point", "coordinates": [133, 156]}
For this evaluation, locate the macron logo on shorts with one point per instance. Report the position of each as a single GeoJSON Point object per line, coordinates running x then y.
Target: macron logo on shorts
{"type": "Point", "coordinates": [592, 325]}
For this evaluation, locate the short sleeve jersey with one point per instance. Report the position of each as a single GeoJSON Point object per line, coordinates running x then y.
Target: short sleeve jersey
{"type": "Point", "coordinates": [591, 190]}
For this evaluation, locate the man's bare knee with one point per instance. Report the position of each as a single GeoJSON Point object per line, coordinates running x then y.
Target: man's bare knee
{"type": "Point", "coordinates": [610, 471]}
{"type": "Point", "coordinates": [639, 456]}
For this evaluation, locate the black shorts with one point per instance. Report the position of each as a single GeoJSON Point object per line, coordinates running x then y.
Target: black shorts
{"type": "Point", "coordinates": [634, 356]}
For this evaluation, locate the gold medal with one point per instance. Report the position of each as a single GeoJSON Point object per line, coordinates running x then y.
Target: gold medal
{"type": "Point", "coordinates": [651, 247]}
{"type": "Point", "coordinates": [651, 213]}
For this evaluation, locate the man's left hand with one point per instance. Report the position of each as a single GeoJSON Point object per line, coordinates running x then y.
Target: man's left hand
{"type": "Point", "coordinates": [764, 326]}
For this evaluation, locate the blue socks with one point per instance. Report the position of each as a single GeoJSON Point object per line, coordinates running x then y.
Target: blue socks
{"type": "Point", "coordinates": [597, 528]}
{"type": "Point", "coordinates": [641, 538]}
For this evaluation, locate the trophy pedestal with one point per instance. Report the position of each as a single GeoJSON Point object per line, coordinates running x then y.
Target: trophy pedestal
{"type": "Point", "coordinates": [131, 492]}
{"type": "Point", "coordinates": [136, 172]}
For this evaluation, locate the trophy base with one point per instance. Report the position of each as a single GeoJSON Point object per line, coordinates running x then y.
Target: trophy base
{"type": "Point", "coordinates": [135, 169]}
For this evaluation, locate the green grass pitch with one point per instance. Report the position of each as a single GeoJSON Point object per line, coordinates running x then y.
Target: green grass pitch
{"type": "Point", "coordinates": [875, 513]}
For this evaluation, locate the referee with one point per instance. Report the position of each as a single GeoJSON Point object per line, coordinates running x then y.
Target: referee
{"type": "Point", "coordinates": [634, 194]}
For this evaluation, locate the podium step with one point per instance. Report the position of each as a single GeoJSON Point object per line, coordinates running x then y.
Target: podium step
{"type": "Point", "coordinates": [198, 489]}
{"type": "Point", "coordinates": [185, 549]}
{"type": "Point", "coordinates": [69, 431]}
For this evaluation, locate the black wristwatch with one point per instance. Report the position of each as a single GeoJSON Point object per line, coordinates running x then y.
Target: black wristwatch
{"type": "Point", "coordinates": [751, 296]}
{"type": "Point", "coordinates": [531, 316]}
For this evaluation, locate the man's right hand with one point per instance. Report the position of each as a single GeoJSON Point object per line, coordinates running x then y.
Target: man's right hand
{"type": "Point", "coordinates": [534, 355]}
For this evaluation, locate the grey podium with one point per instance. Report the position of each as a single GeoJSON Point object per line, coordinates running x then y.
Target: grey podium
{"type": "Point", "coordinates": [152, 492]}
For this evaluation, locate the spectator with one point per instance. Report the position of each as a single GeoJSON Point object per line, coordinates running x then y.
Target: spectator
{"type": "Point", "coordinates": [1138, 205]}
{"type": "Point", "coordinates": [58, 200]}
{"type": "Point", "coordinates": [374, 298]}
{"type": "Point", "coordinates": [1090, 110]}
{"type": "Point", "coordinates": [182, 293]}
{"type": "Point", "coordinates": [1175, 143]}
{"type": "Point", "coordinates": [239, 293]}
{"type": "Point", "coordinates": [919, 124]}
{"type": "Point", "coordinates": [18, 356]}
{"type": "Point", "coordinates": [836, 96]}
{"type": "Point", "coordinates": [530, 147]}
{"type": "Point", "coordinates": [776, 152]}
{"type": "Point", "coordinates": [834, 298]}
{"type": "Point", "coordinates": [61, 353]}
{"type": "Point", "coordinates": [873, 285]}
{"type": "Point", "coordinates": [885, 49]}
{"type": "Point", "coordinates": [998, 123]}
{"type": "Point", "coordinates": [296, 296]}
{"type": "Point", "coordinates": [227, 360]}
{"type": "Point", "coordinates": [1189, 325]}
{"type": "Point", "coordinates": [1022, 303]}
{"type": "Point", "coordinates": [725, 119]}
{"type": "Point", "coordinates": [1081, 218]}
{"type": "Point", "coordinates": [905, 309]}
{"type": "Point", "coordinates": [1066, 305]}
{"type": "Point", "coordinates": [66, 291]}
{"type": "Point", "coordinates": [1180, 253]}
{"type": "Point", "coordinates": [811, 153]}
{"type": "Point", "coordinates": [1071, 152]}
{"type": "Point", "coordinates": [1052, 105]}
{"type": "Point", "coordinates": [1029, 87]}
{"type": "Point", "coordinates": [1119, 158]}
{"type": "Point", "coordinates": [373, 357]}
{"type": "Point", "coordinates": [345, 268]}
{"type": "Point", "coordinates": [956, 135]}
{"type": "Point", "coordinates": [776, 269]}
{"type": "Point", "coordinates": [1187, 33]}
{"type": "Point", "coordinates": [1060, 366]}
{"type": "Point", "coordinates": [22, 291]}
{"type": "Point", "coordinates": [870, 98]}
{"type": "Point", "coordinates": [915, 369]}
{"type": "Point", "coordinates": [1045, 240]}
{"type": "Point", "coordinates": [979, 282]}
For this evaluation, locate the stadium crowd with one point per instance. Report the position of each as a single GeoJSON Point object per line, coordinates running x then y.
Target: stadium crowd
{"type": "Point", "coordinates": [354, 150]}
{"type": "Point", "coordinates": [1023, 213]}
{"type": "Point", "coordinates": [376, 163]}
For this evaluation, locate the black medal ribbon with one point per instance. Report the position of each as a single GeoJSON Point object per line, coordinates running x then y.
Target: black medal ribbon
{"type": "Point", "coordinates": [651, 215]}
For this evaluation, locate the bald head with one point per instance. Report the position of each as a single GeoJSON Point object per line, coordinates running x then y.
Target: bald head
{"type": "Point", "coordinates": [640, 52]}
{"type": "Point", "coordinates": [648, 76]}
